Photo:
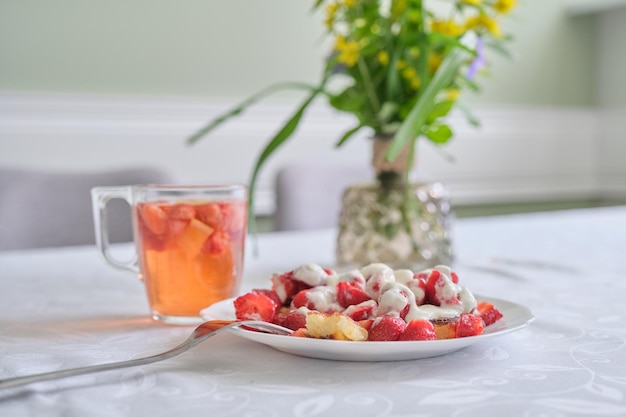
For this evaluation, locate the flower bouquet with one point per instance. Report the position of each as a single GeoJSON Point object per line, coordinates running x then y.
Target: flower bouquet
{"type": "Point", "coordinates": [401, 66]}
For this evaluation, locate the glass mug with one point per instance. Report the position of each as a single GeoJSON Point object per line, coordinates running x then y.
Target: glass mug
{"type": "Point", "coordinates": [189, 244]}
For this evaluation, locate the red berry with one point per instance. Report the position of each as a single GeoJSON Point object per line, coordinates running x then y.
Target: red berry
{"type": "Point", "coordinates": [386, 328]}
{"type": "Point", "coordinates": [418, 330]}
{"type": "Point", "coordinates": [361, 311]}
{"type": "Point", "coordinates": [252, 306]}
{"type": "Point", "coordinates": [210, 214]}
{"type": "Point", "coordinates": [269, 293]}
{"type": "Point", "coordinates": [468, 325]}
{"type": "Point", "coordinates": [366, 324]}
{"type": "Point", "coordinates": [348, 294]}
{"type": "Point", "coordinates": [440, 291]}
{"type": "Point", "coordinates": [488, 312]}
{"type": "Point", "coordinates": [153, 217]}
{"type": "Point", "coordinates": [301, 299]}
{"type": "Point", "coordinates": [217, 243]}
{"type": "Point", "coordinates": [286, 287]}
{"type": "Point", "coordinates": [179, 216]}
{"type": "Point", "coordinates": [294, 320]}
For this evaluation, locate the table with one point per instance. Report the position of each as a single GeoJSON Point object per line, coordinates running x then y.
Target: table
{"type": "Point", "coordinates": [64, 307]}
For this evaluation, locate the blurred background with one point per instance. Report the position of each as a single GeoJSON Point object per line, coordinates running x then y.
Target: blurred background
{"type": "Point", "coordinates": [90, 85]}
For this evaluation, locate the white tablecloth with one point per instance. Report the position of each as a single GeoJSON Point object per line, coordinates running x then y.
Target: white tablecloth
{"type": "Point", "coordinates": [62, 308]}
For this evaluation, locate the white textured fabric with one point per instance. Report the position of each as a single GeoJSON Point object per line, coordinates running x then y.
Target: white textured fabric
{"type": "Point", "coordinates": [63, 308]}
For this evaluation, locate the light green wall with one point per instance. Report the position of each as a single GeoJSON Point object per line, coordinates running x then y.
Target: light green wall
{"type": "Point", "coordinates": [210, 48]}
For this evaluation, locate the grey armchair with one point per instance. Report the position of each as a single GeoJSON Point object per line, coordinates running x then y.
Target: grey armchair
{"type": "Point", "coordinates": [43, 209]}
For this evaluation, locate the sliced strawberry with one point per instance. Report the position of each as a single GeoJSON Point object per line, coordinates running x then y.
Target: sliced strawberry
{"type": "Point", "coordinates": [279, 318]}
{"type": "Point", "coordinates": [418, 330]}
{"type": "Point", "coordinates": [153, 217]}
{"type": "Point", "coordinates": [294, 320]}
{"type": "Point", "coordinates": [386, 328]}
{"type": "Point", "coordinates": [269, 293]}
{"type": "Point", "coordinates": [361, 311]}
{"type": "Point", "coordinates": [440, 290]}
{"type": "Point", "coordinates": [181, 211]}
{"type": "Point", "coordinates": [455, 277]}
{"type": "Point", "coordinates": [366, 324]}
{"type": "Point", "coordinates": [286, 287]}
{"type": "Point", "coordinates": [178, 217]}
{"type": "Point", "coordinates": [348, 294]}
{"type": "Point", "coordinates": [255, 307]}
{"type": "Point", "coordinates": [301, 299]}
{"type": "Point", "coordinates": [468, 325]}
{"type": "Point", "coordinates": [210, 214]}
{"type": "Point", "coordinates": [488, 312]}
{"type": "Point", "coordinates": [300, 333]}
{"type": "Point", "coordinates": [216, 244]}
{"type": "Point", "coordinates": [234, 215]}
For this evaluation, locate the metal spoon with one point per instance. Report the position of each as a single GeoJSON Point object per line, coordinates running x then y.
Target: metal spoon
{"type": "Point", "coordinates": [200, 334]}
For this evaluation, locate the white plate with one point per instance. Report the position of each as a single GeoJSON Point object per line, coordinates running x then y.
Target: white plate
{"type": "Point", "coordinates": [515, 316]}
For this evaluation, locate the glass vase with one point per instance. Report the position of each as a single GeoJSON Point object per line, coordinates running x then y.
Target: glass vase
{"type": "Point", "coordinates": [388, 222]}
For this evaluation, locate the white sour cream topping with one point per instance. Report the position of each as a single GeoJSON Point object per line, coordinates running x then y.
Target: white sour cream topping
{"type": "Point", "coordinates": [324, 299]}
{"type": "Point", "coordinates": [354, 276]}
{"type": "Point", "coordinates": [394, 297]}
{"type": "Point", "coordinates": [468, 301]}
{"type": "Point", "coordinates": [311, 274]}
{"type": "Point", "coordinates": [406, 277]}
{"type": "Point", "coordinates": [369, 303]}
{"type": "Point", "coordinates": [279, 287]}
{"type": "Point", "coordinates": [376, 276]}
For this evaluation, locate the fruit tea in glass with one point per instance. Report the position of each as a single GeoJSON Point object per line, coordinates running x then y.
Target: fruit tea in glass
{"type": "Point", "coordinates": [189, 241]}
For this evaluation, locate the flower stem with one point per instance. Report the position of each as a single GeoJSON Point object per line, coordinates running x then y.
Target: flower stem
{"type": "Point", "coordinates": [369, 86]}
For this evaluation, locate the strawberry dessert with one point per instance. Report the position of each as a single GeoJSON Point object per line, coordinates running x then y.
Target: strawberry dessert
{"type": "Point", "coordinates": [374, 303]}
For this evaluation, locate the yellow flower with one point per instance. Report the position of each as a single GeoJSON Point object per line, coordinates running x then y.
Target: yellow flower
{"type": "Point", "coordinates": [349, 3]}
{"type": "Point", "coordinates": [434, 60]}
{"type": "Point", "coordinates": [383, 57]}
{"type": "Point", "coordinates": [446, 27]}
{"type": "Point", "coordinates": [482, 21]}
{"type": "Point", "coordinates": [453, 94]}
{"type": "Point", "coordinates": [348, 51]}
{"type": "Point", "coordinates": [401, 64]}
{"type": "Point", "coordinates": [331, 12]}
{"type": "Point", "coordinates": [492, 26]}
{"type": "Point", "coordinates": [411, 76]}
{"type": "Point", "coordinates": [472, 2]}
{"type": "Point", "coordinates": [504, 6]}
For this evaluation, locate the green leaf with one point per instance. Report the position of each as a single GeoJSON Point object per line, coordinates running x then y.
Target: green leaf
{"type": "Point", "coordinates": [436, 37]}
{"type": "Point", "coordinates": [280, 138]}
{"type": "Point", "coordinates": [390, 128]}
{"type": "Point", "coordinates": [349, 100]}
{"type": "Point", "coordinates": [440, 109]}
{"type": "Point", "coordinates": [348, 135]}
{"type": "Point", "coordinates": [387, 111]}
{"type": "Point", "coordinates": [439, 133]}
{"type": "Point", "coordinates": [412, 126]}
{"type": "Point", "coordinates": [237, 110]}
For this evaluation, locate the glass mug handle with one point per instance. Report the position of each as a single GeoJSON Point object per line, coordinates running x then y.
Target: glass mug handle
{"type": "Point", "coordinates": [99, 198]}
